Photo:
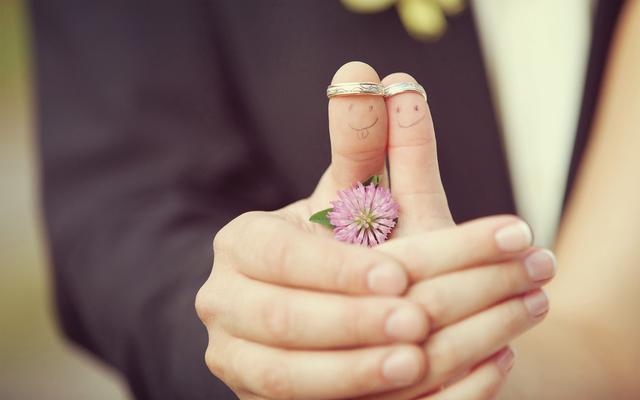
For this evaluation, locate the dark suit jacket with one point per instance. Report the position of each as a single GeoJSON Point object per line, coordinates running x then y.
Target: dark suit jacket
{"type": "Point", "coordinates": [160, 121]}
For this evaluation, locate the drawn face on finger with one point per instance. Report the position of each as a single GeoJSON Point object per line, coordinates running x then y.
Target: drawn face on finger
{"type": "Point", "coordinates": [409, 112]}
{"type": "Point", "coordinates": [363, 115]}
{"type": "Point", "coordinates": [358, 123]}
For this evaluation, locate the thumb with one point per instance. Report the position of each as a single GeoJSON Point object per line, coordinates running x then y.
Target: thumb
{"type": "Point", "coordinates": [358, 131]}
{"type": "Point", "coordinates": [413, 161]}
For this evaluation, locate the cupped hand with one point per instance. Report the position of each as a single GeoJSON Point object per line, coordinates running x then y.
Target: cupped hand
{"type": "Point", "coordinates": [292, 313]}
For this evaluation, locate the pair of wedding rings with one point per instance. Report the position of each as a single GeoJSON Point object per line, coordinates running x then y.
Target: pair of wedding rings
{"type": "Point", "coordinates": [374, 89]}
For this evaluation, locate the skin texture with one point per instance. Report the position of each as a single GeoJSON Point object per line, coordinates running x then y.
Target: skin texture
{"type": "Point", "coordinates": [293, 313]}
{"type": "Point", "coordinates": [588, 349]}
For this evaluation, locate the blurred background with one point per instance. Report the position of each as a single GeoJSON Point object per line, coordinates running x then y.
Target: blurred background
{"type": "Point", "coordinates": [35, 361]}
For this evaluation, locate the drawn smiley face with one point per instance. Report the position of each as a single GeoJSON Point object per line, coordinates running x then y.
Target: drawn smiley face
{"type": "Point", "coordinates": [361, 116]}
{"type": "Point", "coordinates": [410, 114]}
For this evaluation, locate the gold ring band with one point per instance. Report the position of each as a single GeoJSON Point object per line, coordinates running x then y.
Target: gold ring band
{"type": "Point", "coordinates": [355, 89]}
{"type": "Point", "coordinates": [402, 87]}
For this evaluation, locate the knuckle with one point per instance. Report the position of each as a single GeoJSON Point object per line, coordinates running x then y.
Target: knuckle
{"type": "Point", "coordinates": [208, 301]}
{"type": "Point", "coordinates": [225, 236]}
{"type": "Point", "coordinates": [257, 223]}
{"type": "Point", "coordinates": [202, 305]}
{"type": "Point", "coordinates": [214, 359]}
{"type": "Point", "coordinates": [247, 218]}
{"type": "Point", "coordinates": [275, 382]}
{"type": "Point", "coordinates": [274, 248]}
{"type": "Point", "coordinates": [225, 357]}
{"type": "Point", "coordinates": [212, 362]}
{"type": "Point", "coordinates": [221, 239]}
{"type": "Point", "coordinates": [276, 318]}
{"type": "Point", "coordinates": [447, 354]}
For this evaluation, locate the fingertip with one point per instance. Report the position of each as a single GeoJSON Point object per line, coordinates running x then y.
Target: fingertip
{"type": "Point", "coordinates": [404, 366]}
{"type": "Point", "coordinates": [387, 278]}
{"type": "Point", "coordinates": [541, 264]}
{"type": "Point", "coordinates": [407, 323]}
{"type": "Point", "coordinates": [500, 235]}
{"type": "Point", "coordinates": [514, 236]}
{"type": "Point", "coordinates": [355, 71]}
{"type": "Point", "coordinates": [397, 77]}
{"type": "Point", "coordinates": [536, 303]}
{"type": "Point", "coordinates": [504, 219]}
{"type": "Point", "coordinates": [505, 359]}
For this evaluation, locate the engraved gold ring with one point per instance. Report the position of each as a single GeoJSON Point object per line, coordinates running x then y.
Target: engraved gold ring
{"type": "Point", "coordinates": [355, 89]}
{"type": "Point", "coordinates": [402, 87]}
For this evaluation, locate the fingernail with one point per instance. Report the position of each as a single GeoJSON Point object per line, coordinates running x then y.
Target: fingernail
{"type": "Point", "coordinates": [387, 279]}
{"type": "Point", "coordinates": [536, 303]}
{"type": "Point", "coordinates": [402, 367]}
{"type": "Point", "coordinates": [406, 323]}
{"type": "Point", "coordinates": [514, 237]}
{"type": "Point", "coordinates": [505, 360]}
{"type": "Point", "coordinates": [540, 265]}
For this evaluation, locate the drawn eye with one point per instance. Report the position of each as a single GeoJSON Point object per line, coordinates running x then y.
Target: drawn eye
{"type": "Point", "coordinates": [415, 107]}
{"type": "Point", "coordinates": [398, 109]}
{"type": "Point", "coordinates": [370, 108]}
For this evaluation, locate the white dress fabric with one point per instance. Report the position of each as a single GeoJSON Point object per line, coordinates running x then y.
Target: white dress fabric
{"type": "Point", "coordinates": [536, 54]}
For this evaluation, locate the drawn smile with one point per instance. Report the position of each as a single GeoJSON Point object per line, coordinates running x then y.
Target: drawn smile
{"type": "Point", "coordinates": [412, 123]}
{"type": "Point", "coordinates": [364, 127]}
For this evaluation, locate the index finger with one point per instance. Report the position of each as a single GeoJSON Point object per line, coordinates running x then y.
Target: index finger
{"type": "Point", "coordinates": [266, 247]}
{"type": "Point", "coordinates": [473, 243]}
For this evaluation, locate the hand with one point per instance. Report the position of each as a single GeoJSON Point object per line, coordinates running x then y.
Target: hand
{"type": "Point", "coordinates": [281, 289]}
{"type": "Point", "coordinates": [473, 312]}
{"type": "Point", "coordinates": [278, 291]}
{"type": "Point", "coordinates": [263, 335]}
{"type": "Point", "coordinates": [463, 337]}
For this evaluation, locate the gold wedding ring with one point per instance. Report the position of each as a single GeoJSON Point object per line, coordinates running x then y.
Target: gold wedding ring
{"type": "Point", "coordinates": [355, 89]}
{"type": "Point", "coordinates": [402, 87]}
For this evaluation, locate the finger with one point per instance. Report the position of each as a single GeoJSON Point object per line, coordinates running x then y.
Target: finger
{"type": "Point", "coordinates": [302, 319]}
{"type": "Point", "coordinates": [483, 383]}
{"type": "Point", "coordinates": [285, 374]}
{"type": "Point", "coordinates": [283, 254]}
{"type": "Point", "coordinates": [460, 346]}
{"type": "Point", "coordinates": [413, 161]}
{"type": "Point", "coordinates": [445, 250]}
{"type": "Point", "coordinates": [358, 131]}
{"type": "Point", "coordinates": [452, 297]}
{"type": "Point", "coordinates": [358, 128]}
